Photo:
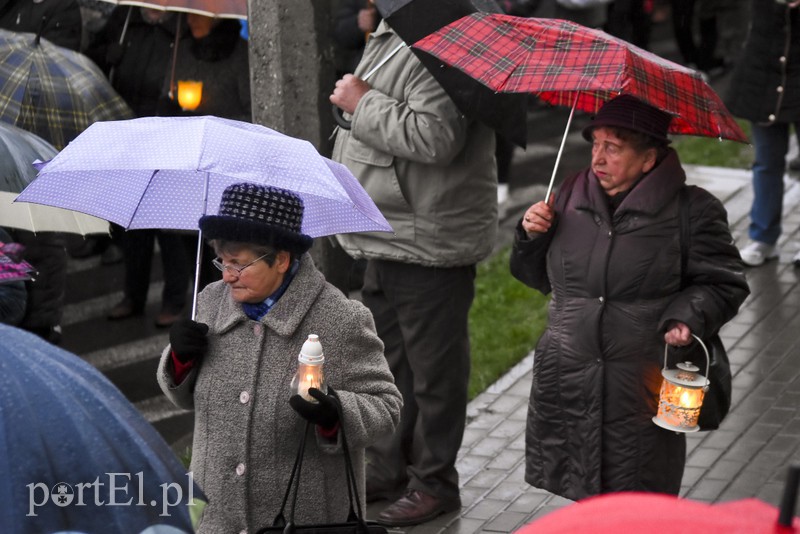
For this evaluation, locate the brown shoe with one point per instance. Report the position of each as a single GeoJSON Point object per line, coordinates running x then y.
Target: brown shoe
{"type": "Point", "coordinates": [415, 507]}
{"type": "Point", "coordinates": [123, 310]}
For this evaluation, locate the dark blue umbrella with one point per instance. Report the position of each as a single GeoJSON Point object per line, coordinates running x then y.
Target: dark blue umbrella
{"type": "Point", "coordinates": [76, 455]}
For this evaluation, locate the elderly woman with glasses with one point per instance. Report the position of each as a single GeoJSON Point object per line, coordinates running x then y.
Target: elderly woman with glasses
{"type": "Point", "coordinates": [610, 251]}
{"type": "Point", "coordinates": [233, 367]}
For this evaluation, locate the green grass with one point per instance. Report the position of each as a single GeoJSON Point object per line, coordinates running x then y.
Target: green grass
{"type": "Point", "coordinates": [713, 152]}
{"type": "Point", "coordinates": [507, 317]}
{"type": "Point", "coordinates": [505, 321]}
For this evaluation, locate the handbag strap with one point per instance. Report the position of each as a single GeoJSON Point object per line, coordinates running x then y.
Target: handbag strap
{"type": "Point", "coordinates": [355, 513]}
{"type": "Point", "coordinates": [294, 481]}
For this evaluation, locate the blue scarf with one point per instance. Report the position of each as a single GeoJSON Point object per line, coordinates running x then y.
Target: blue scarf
{"type": "Point", "coordinates": [257, 311]}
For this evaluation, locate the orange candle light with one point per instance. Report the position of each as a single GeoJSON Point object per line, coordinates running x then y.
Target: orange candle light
{"type": "Point", "coordinates": [190, 93]}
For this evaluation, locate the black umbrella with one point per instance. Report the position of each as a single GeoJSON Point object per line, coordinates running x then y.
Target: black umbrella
{"type": "Point", "coordinates": [414, 19]}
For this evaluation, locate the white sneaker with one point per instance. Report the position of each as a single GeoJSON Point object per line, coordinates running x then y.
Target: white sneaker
{"type": "Point", "coordinates": [502, 193]}
{"type": "Point", "coordinates": [796, 260]}
{"type": "Point", "coordinates": [756, 253]}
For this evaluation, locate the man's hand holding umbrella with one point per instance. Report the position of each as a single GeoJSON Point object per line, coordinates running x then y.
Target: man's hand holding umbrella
{"type": "Point", "coordinates": [348, 92]}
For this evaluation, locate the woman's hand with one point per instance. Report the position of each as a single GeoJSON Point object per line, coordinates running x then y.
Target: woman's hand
{"type": "Point", "coordinates": [539, 218]}
{"type": "Point", "coordinates": [678, 335]}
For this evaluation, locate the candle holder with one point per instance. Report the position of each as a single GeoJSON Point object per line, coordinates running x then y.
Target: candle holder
{"type": "Point", "coordinates": [309, 369]}
{"type": "Point", "coordinates": [681, 396]}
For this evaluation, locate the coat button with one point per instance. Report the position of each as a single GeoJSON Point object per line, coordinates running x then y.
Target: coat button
{"type": "Point", "coordinates": [244, 397]}
{"type": "Point", "coordinates": [771, 117]}
{"type": "Point", "coordinates": [779, 89]}
{"type": "Point", "coordinates": [782, 59]}
{"type": "Point", "coordinates": [240, 469]}
{"type": "Point", "coordinates": [601, 299]}
{"type": "Point", "coordinates": [257, 329]}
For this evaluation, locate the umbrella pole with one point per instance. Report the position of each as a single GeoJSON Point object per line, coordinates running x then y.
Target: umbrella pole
{"type": "Point", "coordinates": [561, 149]}
{"type": "Point", "coordinates": [199, 258]}
{"type": "Point", "coordinates": [121, 42]}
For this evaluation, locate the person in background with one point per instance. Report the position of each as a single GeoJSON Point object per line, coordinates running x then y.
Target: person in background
{"type": "Point", "coordinates": [354, 21]}
{"type": "Point", "coordinates": [609, 250]}
{"type": "Point", "coordinates": [703, 55]}
{"type": "Point", "coordinates": [215, 54]}
{"type": "Point", "coordinates": [631, 20]}
{"type": "Point", "coordinates": [58, 21]}
{"type": "Point", "coordinates": [249, 331]}
{"type": "Point", "coordinates": [765, 90]}
{"type": "Point", "coordinates": [135, 50]}
{"type": "Point", "coordinates": [432, 173]}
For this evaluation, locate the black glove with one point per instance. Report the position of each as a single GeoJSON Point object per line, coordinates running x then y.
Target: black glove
{"type": "Point", "coordinates": [188, 339]}
{"type": "Point", "coordinates": [323, 413]}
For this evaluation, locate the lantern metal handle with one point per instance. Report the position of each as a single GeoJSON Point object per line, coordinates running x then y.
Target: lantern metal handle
{"type": "Point", "coordinates": [708, 357]}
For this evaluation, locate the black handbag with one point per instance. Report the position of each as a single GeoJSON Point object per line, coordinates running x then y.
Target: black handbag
{"type": "Point", "coordinates": [717, 400]}
{"type": "Point", "coordinates": [355, 523]}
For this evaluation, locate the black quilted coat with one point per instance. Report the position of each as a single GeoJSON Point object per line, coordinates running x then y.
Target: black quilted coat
{"type": "Point", "coordinates": [615, 283]}
{"type": "Point", "coordinates": [765, 86]}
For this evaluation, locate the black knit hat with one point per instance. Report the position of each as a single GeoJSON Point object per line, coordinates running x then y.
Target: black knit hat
{"type": "Point", "coordinates": [629, 112]}
{"type": "Point", "coordinates": [259, 214]}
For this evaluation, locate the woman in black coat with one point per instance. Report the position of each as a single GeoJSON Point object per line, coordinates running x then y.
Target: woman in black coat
{"type": "Point", "coordinates": [610, 253]}
{"type": "Point", "coordinates": [765, 89]}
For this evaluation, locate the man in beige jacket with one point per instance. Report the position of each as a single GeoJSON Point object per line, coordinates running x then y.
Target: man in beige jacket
{"type": "Point", "coordinates": [432, 173]}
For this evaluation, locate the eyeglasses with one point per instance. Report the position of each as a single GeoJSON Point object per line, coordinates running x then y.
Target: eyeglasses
{"type": "Point", "coordinates": [233, 269]}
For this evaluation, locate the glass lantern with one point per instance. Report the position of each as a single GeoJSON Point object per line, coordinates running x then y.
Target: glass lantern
{"type": "Point", "coordinates": [681, 396]}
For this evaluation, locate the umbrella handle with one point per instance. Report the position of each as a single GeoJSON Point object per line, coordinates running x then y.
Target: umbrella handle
{"type": "Point", "coordinates": [338, 116]}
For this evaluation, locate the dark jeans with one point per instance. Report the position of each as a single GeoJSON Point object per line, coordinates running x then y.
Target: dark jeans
{"type": "Point", "coordinates": [138, 248]}
{"type": "Point", "coordinates": [421, 315]}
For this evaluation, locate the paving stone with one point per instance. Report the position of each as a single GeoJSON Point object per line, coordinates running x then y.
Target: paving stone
{"type": "Point", "coordinates": [507, 460]}
{"type": "Point", "coordinates": [528, 502]}
{"type": "Point", "coordinates": [489, 446]}
{"type": "Point", "coordinates": [507, 490]}
{"type": "Point", "coordinates": [488, 478]}
{"type": "Point", "coordinates": [506, 522]}
{"type": "Point", "coordinates": [485, 509]}
{"type": "Point", "coordinates": [464, 526]}
{"type": "Point", "coordinates": [704, 457]}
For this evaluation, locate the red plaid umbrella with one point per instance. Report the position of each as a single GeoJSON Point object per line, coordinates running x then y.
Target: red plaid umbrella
{"type": "Point", "coordinates": [559, 61]}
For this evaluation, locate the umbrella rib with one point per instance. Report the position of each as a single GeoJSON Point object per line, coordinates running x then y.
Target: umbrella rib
{"type": "Point", "coordinates": [141, 197]}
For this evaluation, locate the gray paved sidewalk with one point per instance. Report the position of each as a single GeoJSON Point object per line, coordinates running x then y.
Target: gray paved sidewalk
{"type": "Point", "coordinates": [747, 457]}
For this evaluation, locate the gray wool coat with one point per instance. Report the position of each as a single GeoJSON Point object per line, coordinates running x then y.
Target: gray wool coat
{"type": "Point", "coordinates": [616, 285]}
{"type": "Point", "coordinates": [246, 435]}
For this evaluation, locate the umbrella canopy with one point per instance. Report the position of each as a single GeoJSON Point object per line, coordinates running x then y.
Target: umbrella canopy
{"type": "Point", "coordinates": [18, 150]}
{"type": "Point", "coordinates": [414, 19]}
{"type": "Point", "coordinates": [73, 445]}
{"type": "Point", "coordinates": [231, 9]}
{"type": "Point", "coordinates": [167, 172]}
{"type": "Point", "coordinates": [564, 63]}
{"type": "Point", "coordinates": [52, 91]}
{"type": "Point", "coordinates": [152, 172]}
{"type": "Point", "coordinates": [651, 512]}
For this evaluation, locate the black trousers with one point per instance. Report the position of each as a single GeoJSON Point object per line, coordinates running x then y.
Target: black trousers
{"type": "Point", "coordinates": [421, 315]}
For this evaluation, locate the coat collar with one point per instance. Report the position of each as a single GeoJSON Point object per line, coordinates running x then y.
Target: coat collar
{"type": "Point", "coordinates": [648, 197]}
{"type": "Point", "coordinates": [287, 314]}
